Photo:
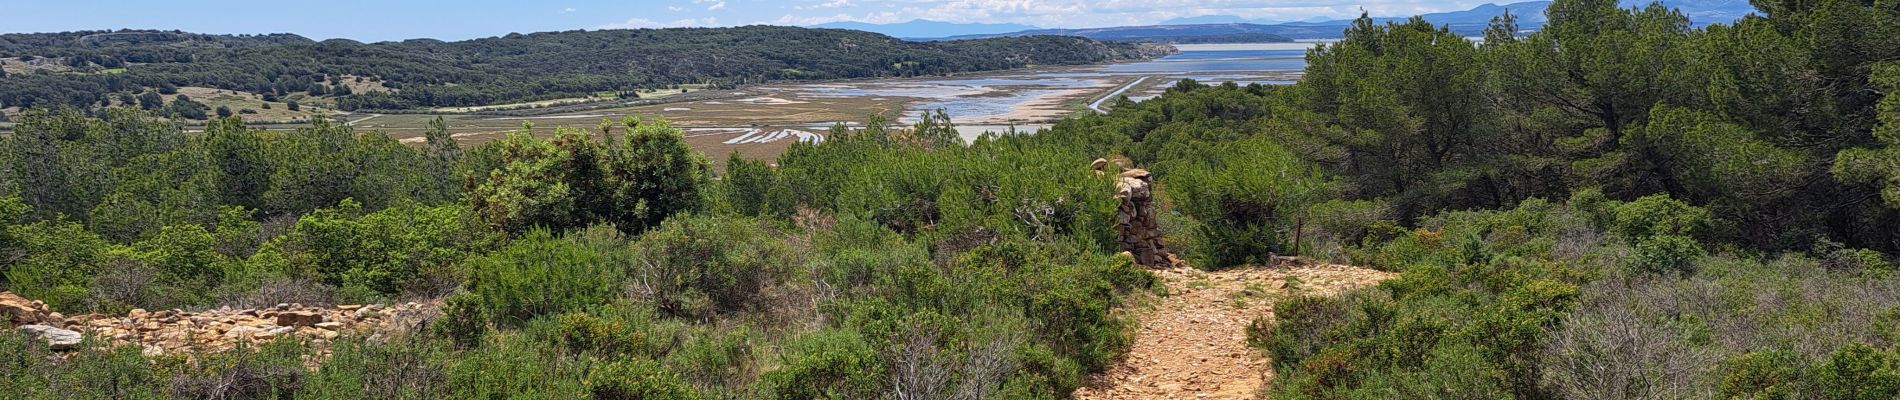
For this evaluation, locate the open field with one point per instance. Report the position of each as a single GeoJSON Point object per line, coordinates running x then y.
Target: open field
{"type": "Point", "coordinates": [239, 101]}
{"type": "Point", "coordinates": [648, 94]}
{"type": "Point", "coordinates": [367, 85]}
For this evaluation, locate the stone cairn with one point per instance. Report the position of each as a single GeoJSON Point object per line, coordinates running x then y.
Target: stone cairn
{"type": "Point", "coordinates": [1136, 223]}
{"type": "Point", "coordinates": [178, 331]}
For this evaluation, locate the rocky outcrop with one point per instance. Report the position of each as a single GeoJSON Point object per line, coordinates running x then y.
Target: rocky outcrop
{"type": "Point", "coordinates": [59, 339]}
{"type": "Point", "coordinates": [174, 331]}
{"type": "Point", "coordinates": [299, 318]}
{"type": "Point", "coordinates": [1136, 223]}
{"type": "Point", "coordinates": [19, 311]}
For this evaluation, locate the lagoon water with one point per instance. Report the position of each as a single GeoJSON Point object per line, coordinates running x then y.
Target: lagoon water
{"type": "Point", "coordinates": [1026, 99]}
{"type": "Point", "coordinates": [1262, 63]}
{"type": "Point", "coordinates": [1223, 57]}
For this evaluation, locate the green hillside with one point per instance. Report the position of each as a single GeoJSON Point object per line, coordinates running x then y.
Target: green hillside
{"type": "Point", "coordinates": [507, 69]}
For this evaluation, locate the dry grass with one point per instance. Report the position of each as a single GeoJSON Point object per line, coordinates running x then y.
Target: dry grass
{"type": "Point", "coordinates": [366, 86]}
{"type": "Point", "coordinates": [1647, 337]}
{"type": "Point", "coordinates": [238, 101]}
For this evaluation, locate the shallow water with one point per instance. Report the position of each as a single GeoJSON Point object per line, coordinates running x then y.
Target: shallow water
{"type": "Point", "coordinates": [1218, 60]}
{"type": "Point", "coordinates": [989, 101]}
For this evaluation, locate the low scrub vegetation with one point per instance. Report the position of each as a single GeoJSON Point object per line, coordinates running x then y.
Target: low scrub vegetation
{"type": "Point", "coordinates": [605, 265]}
{"type": "Point", "coordinates": [1617, 206]}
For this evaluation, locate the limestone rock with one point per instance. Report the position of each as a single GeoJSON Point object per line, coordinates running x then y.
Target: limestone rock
{"type": "Point", "coordinates": [298, 318]}
{"type": "Point", "coordinates": [1136, 223]}
{"type": "Point", "coordinates": [274, 333]}
{"type": "Point", "coordinates": [242, 332]}
{"type": "Point", "coordinates": [20, 311]}
{"type": "Point", "coordinates": [59, 339]}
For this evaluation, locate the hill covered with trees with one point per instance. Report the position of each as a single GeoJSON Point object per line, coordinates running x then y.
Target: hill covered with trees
{"type": "Point", "coordinates": [1618, 206]}
{"type": "Point", "coordinates": [518, 67]}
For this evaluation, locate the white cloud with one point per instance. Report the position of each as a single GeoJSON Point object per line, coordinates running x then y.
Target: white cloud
{"type": "Point", "coordinates": [641, 23]}
{"type": "Point", "coordinates": [567, 10]}
{"type": "Point", "coordinates": [825, 5]}
{"type": "Point", "coordinates": [717, 6]}
{"type": "Point", "coordinates": [875, 18]}
{"type": "Point", "coordinates": [675, 8]}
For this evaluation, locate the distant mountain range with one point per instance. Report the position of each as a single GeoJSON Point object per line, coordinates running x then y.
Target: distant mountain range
{"type": "Point", "coordinates": [1233, 29]}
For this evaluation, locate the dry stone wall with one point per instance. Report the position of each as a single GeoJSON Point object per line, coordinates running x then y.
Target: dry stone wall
{"type": "Point", "coordinates": [179, 331]}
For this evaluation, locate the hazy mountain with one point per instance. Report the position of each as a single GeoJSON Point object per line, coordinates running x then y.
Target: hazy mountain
{"type": "Point", "coordinates": [1229, 19]}
{"type": "Point", "coordinates": [1179, 34]}
{"type": "Point", "coordinates": [1704, 12]}
{"type": "Point", "coordinates": [1529, 13]}
{"type": "Point", "coordinates": [921, 28]}
{"type": "Point", "coordinates": [1215, 19]}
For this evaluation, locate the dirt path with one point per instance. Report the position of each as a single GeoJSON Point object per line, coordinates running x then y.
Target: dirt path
{"type": "Point", "coordinates": [1193, 343]}
{"type": "Point", "coordinates": [353, 123]}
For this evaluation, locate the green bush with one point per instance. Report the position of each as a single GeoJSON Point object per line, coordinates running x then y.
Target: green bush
{"type": "Point", "coordinates": [1301, 325]}
{"type": "Point", "coordinates": [1859, 371]}
{"type": "Point", "coordinates": [1766, 374]}
{"type": "Point", "coordinates": [510, 366]}
{"type": "Point", "coordinates": [273, 370]}
{"type": "Point", "coordinates": [638, 380]}
{"type": "Point", "coordinates": [701, 266]}
{"type": "Point", "coordinates": [1248, 199]}
{"type": "Point", "coordinates": [376, 254]}
{"type": "Point", "coordinates": [753, 188]}
{"type": "Point", "coordinates": [1665, 254]}
{"type": "Point", "coordinates": [1658, 215]}
{"type": "Point", "coordinates": [1334, 227]}
{"type": "Point", "coordinates": [1074, 319]}
{"type": "Point", "coordinates": [465, 318]}
{"type": "Point", "coordinates": [572, 180]}
{"type": "Point", "coordinates": [57, 261]}
{"type": "Point", "coordinates": [1837, 257]}
{"type": "Point", "coordinates": [830, 364]}
{"type": "Point", "coordinates": [720, 361]}
{"type": "Point", "coordinates": [540, 274]}
{"type": "Point", "coordinates": [407, 367]}
{"type": "Point", "coordinates": [29, 370]}
{"type": "Point", "coordinates": [624, 333]}
{"type": "Point", "coordinates": [858, 253]}
{"type": "Point", "coordinates": [1465, 320]}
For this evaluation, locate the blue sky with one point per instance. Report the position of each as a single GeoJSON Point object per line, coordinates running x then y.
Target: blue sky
{"type": "Point", "coordinates": [456, 20]}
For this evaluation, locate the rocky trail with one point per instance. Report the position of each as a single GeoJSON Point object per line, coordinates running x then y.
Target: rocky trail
{"type": "Point", "coordinates": [1192, 343]}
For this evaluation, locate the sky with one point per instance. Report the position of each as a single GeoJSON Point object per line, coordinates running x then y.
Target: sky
{"type": "Point", "coordinates": [371, 21]}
